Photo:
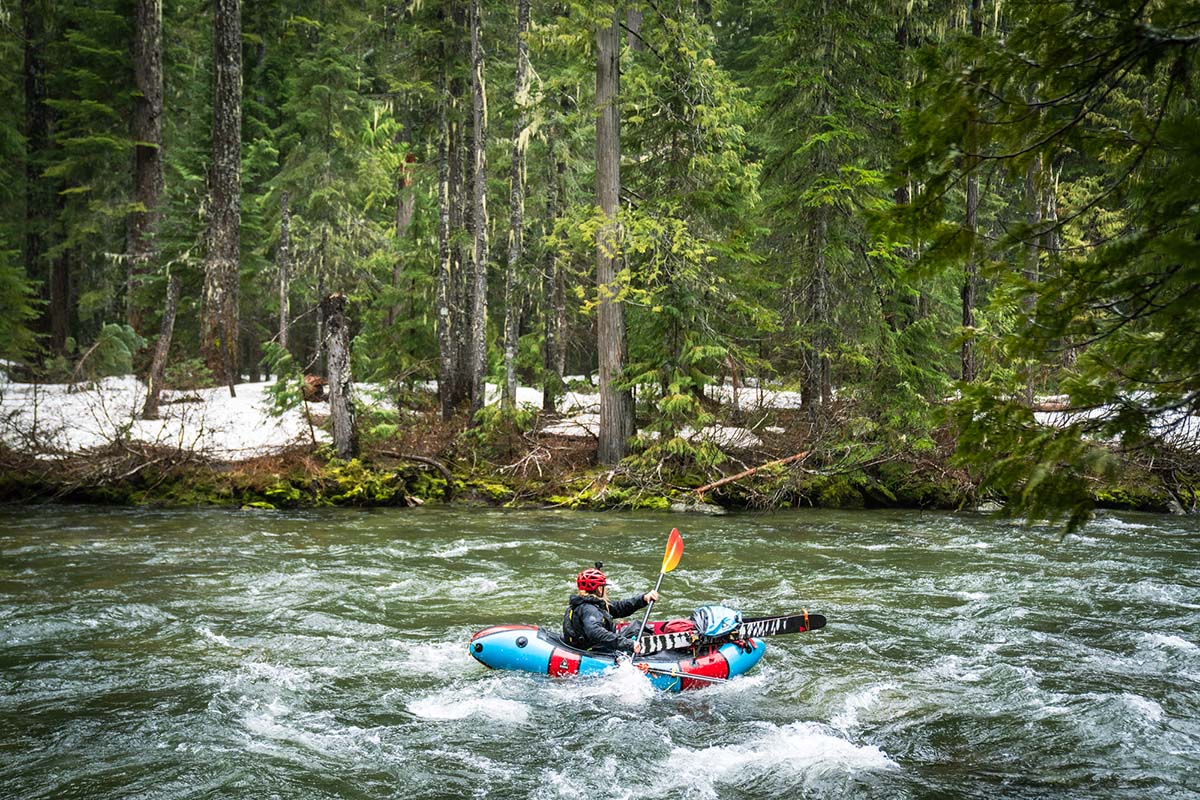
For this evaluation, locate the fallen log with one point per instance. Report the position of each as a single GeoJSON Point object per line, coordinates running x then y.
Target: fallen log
{"type": "Point", "coordinates": [748, 472]}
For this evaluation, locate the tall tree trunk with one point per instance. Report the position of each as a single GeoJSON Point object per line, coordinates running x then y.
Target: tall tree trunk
{"type": "Point", "coordinates": [453, 338]}
{"type": "Point", "coordinates": [283, 257]}
{"type": "Point", "coordinates": [1051, 243]}
{"type": "Point", "coordinates": [820, 392]}
{"type": "Point", "coordinates": [633, 23]}
{"type": "Point", "coordinates": [320, 361]}
{"type": "Point", "coordinates": [1033, 218]}
{"type": "Point", "coordinates": [406, 204]}
{"type": "Point", "coordinates": [341, 401]}
{"type": "Point", "coordinates": [514, 279]}
{"type": "Point", "coordinates": [162, 349]}
{"type": "Point", "coordinates": [970, 287]}
{"type": "Point", "coordinates": [817, 391]}
{"type": "Point", "coordinates": [141, 246]}
{"type": "Point", "coordinates": [616, 405]}
{"type": "Point", "coordinates": [38, 203]}
{"type": "Point", "coordinates": [219, 321]}
{"type": "Point", "coordinates": [479, 221]}
{"type": "Point", "coordinates": [553, 298]}
{"type": "Point", "coordinates": [59, 307]}
{"type": "Point", "coordinates": [901, 306]}
{"type": "Point", "coordinates": [447, 348]}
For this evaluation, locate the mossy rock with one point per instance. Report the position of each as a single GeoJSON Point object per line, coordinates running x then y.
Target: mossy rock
{"type": "Point", "coordinates": [1149, 497]}
{"type": "Point", "coordinates": [282, 493]}
{"type": "Point", "coordinates": [840, 491]}
{"type": "Point", "coordinates": [913, 488]}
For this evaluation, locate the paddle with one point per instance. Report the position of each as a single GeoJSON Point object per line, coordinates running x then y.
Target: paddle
{"type": "Point", "coordinates": [670, 560]}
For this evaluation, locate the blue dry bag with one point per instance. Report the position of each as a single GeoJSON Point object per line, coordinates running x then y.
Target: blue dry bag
{"type": "Point", "coordinates": [715, 621]}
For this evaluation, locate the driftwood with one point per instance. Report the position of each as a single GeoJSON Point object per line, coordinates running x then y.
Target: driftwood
{"type": "Point", "coordinates": [433, 462]}
{"type": "Point", "coordinates": [748, 472]}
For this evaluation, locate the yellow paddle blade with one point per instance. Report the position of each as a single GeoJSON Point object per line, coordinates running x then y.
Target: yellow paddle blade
{"type": "Point", "coordinates": [674, 551]}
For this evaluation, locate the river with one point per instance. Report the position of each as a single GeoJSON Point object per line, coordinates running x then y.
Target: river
{"type": "Point", "coordinates": [222, 654]}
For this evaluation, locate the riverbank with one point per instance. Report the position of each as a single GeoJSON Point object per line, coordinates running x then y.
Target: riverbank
{"type": "Point", "coordinates": [61, 443]}
{"type": "Point", "coordinates": [306, 477]}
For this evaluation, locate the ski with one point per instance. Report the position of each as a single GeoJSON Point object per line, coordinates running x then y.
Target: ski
{"type": "Point", "coordinates": [751, 627]}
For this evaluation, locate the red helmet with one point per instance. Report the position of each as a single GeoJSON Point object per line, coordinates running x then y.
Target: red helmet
{"type": "Point", "coordinates": [591, 580]}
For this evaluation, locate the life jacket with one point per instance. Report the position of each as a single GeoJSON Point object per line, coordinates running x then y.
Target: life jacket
{"type": "Point", "coordinates": [573, 633]}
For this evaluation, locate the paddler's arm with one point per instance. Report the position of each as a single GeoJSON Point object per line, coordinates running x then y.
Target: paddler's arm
{"type": "Point", "coordinates": [632, 605]}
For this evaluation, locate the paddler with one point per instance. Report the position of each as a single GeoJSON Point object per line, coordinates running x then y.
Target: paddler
{"type": "Point", "coordinates": [588, 622]}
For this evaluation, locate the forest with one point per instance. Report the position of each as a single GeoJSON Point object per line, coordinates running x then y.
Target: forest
{"type": "Point", "coordinates": [966, 234]}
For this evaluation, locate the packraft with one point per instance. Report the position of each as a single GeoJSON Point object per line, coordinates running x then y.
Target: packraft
{"type": "Point", "coordinates": [712, 646]}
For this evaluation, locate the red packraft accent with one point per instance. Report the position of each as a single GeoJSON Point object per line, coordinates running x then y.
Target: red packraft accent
{"type": "Point", "coordinates": [713, 664]}
{"type": "Point", "coordinates": [563, 662]}
{"type": "Point", "coordinates": [678, 626]}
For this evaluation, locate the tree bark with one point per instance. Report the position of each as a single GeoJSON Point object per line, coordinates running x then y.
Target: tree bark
{"type": "Point", "coordinates": [219, 321]}
{"type": "Point", "coordinates": [148, 185]}
{"type": "Point", "coordinates": [320, 360]}
{"type": "Point", "coordinates": [38, 204]}
{"type": "Point", "coordinates": [59, 308]}
{"type": "Point", "coordinates": [616, 405]}
{"type": "Point", "coordinates": [447, 349]}
{"type": "Point", "coordinates": [479, 221]}
{"type": "Point", "coordinates": [633, 23]}
{"type": "Point", "coordinates": [406, 204]}
{"type": "Point", "coordinates": [341, 401]}
{"type": "Point", "coordinates": [514, 279]}
{"type": "Point", "coordinates": [970, 287]}
{"type": "Point", "coordinates": [284, 258]}
{"type": "Point", "coordinates": [817, 391]}
{"type": "Point", "coordinates": [453, 339]}
{"type": "Point", "coordinates": [162, 349]}
{"type": "Point", "coordinates": [1033, 218]}
{"type": "Point", "coordinates": [553, 296]}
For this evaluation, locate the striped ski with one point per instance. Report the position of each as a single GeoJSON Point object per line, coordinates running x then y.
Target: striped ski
{"type": "Point", "coordinates": [751, 627]}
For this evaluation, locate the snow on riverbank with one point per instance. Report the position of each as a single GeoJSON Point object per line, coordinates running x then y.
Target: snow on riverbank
{"type": "Point", "coordinates": [53, 418]}
{"type": "Point", "coordinates": [57, 419]}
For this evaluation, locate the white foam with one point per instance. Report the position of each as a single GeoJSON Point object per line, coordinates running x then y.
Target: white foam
{"type": "Point", "coordinates": [803, 749]}
{"type": "Point", "coordinates": [1144, 710]}
{"type": "Point", "coordinates": [1167, 641]}
{"type": "Point", "coordinates": [215, 637]}
{"type": "Point", "coordinates": [433, 658]}
{"type": "Point", "coordinates": [317, 732]}
{"type": "Point", "coordinates": [454, 704]}
{"type": "Point", "coordinates": [462, 547]}
{"type": "Point", "coordinates": [624, 684]}
{"type": "Point", "coordinates": [847, 718]}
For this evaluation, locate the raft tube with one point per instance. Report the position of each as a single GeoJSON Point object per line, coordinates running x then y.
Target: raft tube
{"type": "Point", "coordinates": [528, 648]}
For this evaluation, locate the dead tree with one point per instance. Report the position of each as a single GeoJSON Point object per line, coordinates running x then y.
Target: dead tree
{"type": "Point", "coordinates": [341, 403]}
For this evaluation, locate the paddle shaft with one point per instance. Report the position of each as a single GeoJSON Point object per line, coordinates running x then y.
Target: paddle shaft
{"type": "Point", "coordinates": [649, 606]}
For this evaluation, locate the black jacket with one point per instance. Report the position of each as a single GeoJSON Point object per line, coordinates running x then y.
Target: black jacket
{"type": "Point", "coordinates": [588, 622]}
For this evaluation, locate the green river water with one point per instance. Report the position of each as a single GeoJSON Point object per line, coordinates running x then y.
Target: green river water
{"type": "Point", "coordinates": [222, 654]}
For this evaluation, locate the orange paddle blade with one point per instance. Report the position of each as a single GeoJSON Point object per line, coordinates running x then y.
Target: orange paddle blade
{"type": "Point", "coordinates": [674, 551]}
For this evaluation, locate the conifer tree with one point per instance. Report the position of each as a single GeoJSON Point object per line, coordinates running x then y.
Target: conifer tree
{"type": "Point", "coordinates": [219, 324]}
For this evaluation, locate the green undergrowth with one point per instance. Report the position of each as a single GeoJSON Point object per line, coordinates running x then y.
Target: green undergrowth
{"type": "Point", "coordinates": [311, 481]}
